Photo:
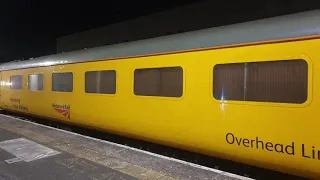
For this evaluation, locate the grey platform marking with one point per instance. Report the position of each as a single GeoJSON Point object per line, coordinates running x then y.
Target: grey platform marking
{"type": "Point", "coordinates": [26, 150]}
{"type": "Point", "coordinates": [14, 160]}
{"type": "Point", "coordinates": [231, 175]}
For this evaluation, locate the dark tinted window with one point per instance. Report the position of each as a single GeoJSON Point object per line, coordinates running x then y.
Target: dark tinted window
{"type": "Point", "coordinates": [62, 82]}
{"type": "Point", "coordinates": [16, 82]}
{"type": "Point", "coordinates": [101, 82]}
{"type": "Point", "coordinates": [35, 82]}
{"type": "Point", "coordinates": [271, 81]}
{"type": "Point", "coordinates": [166, 82]}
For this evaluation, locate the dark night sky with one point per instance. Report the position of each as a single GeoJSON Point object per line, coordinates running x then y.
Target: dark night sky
{"type": "Point", "coordinates": [29, 28]}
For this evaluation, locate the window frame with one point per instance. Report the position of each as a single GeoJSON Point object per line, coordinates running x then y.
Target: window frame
{"type": "Point", "coordinates": [62, 73]}
{"type": "Point", "coordinates": [101, 94]}
{"type": "Point", "coordinates": [21, 82]}
{"type": "Point", "coordinates": [161, 97]}
{"type": "Point", "coordinates": [271, 104]}
{"type": "Point", "coordinates": [42, 82]}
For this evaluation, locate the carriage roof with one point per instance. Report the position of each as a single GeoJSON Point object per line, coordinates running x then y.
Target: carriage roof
{"type": "Point", "coordinates": [282, 27]}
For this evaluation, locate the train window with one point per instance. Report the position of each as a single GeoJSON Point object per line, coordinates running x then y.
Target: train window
{"type": "Point", "coordinates": [101, 82]}
{"type": "Point", "coordinates": [35, 82]}
{"type": "Point", "coordinates": [284, 81]}
{"type": "Point", "coordinates": [165, 82]}
{"type": "Point", "coordinates": [16, 82]}
{"type": "Point", "coordinates": [62, 82]}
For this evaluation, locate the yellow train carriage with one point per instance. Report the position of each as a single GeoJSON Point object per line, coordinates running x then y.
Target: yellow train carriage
{"type": "Point", "coordinates": [254, 103]}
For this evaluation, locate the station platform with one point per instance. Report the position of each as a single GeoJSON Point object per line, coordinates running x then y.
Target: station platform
{"type": "Point", "coordinates": [33, 151]}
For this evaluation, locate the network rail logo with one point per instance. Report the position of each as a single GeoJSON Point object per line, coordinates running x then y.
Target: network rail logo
{"type": "Point", "coordinates": [62, 109]}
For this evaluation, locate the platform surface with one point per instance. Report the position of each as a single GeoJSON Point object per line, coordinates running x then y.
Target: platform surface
{"type": "Point", "coordinates": [36, 152]}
